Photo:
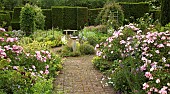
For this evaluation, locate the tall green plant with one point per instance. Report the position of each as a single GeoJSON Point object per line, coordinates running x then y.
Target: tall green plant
{"type": "Point", "coordinates": [27, 19]}
{"type": "Point", "coordinates": [39, 18]}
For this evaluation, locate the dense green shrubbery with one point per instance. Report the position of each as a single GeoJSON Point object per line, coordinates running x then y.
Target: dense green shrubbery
{"type": "Point", "coordinates": [111, 15]}
{"type": "Point", "coordinates": [165, 13]}
{"type": "Point", "coordinates": [50, 37]}
{"type": "Point", "coordinates": [31, 19]}
{"type": "Point", "coordinates": [132, 11]}
{"type": "Point", "coordinates": [27, 19]}
{"type": "Point", "coordinates": [87, 49]}
{"type": "Point", "coordinates": [93, 13]}
{"type": "Point", "coordinates": [48, 18]}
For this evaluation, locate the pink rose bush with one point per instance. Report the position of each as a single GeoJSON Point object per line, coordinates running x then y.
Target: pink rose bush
{"type": "Point", "coordinates": [144, 56]}
{"type": "Point", "coordinates": [22, 71]}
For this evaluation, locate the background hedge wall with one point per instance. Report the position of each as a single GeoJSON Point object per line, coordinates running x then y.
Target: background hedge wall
{"type": "Point", "coordinates": [57, 17]}
{"type": "Point", "coordinates": [82, 17]}
{"type": "Point", "coordinates": [48, 18]}
{"type": "Point", "coordinates": [15, 23]}
{"type": "Point", "coordinates": [136, 10]}
{"type": "Point", "coordinates": [70, 18]}
{"type": "Point", "coordinates": [156, 14]}
{"type": "Point", "coordinates": [92, 15]}
{"type": "Point", "coordinates": [6, 18]}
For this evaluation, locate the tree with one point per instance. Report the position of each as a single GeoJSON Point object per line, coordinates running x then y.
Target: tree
{"type": "Point", "coordinates": [27, 19]}
{"type": "Point", "coordinates": [165, 12]}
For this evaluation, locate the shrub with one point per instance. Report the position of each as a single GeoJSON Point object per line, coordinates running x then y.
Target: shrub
{"type": "Point", "coordinates": [93, 13]}
{"type": "Point", "coordinates": [27, 19]}
{"type": "Point", "coordinates": [15, 23]}
{"type": "Point", "coordinates": [70, 18]}
{"type": "Point", "coordinates": [111, 15]}
{"type": "Point", "coordinates": [48, 18]}
{"type": "Point", "coordinates": [39, 18]}
{"type": "Point", "coordinates": [86, 49]}
{"type": "Point", "coordinates": [165, 13]}
{"type": "Point", "coordinates": [156, 14]}
{"type": "Point", "coordinates": [82, 17]}
{"type": "Point", "coordinates": [88, 36]}
{"type": "Point", "coordinates": [5, 18]}
{"type": "Point", "coordinates": [57, 17]}
{"type": "Point", "coordinates": [135, 10]}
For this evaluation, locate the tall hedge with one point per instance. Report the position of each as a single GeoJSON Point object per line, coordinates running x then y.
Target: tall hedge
{"type": "Point", "coordinates": [92, 15]}
{"type": "Point", "coordinates": [82, 17]}
{"type": "Point", "coordinates": [15, 23]}
{"type": "Point", "coordinates": [136, 10]}
{"type": "Point", "coordinates": [57, 17]}
{"type": "Point", "coordinates": [5, 16]}
{"type": "Point", "coordinates": [165, 12]}
{"type": "Point", "coordinates": [70, 18]}
{"type": "Point", "coordinates": [156, 14]}
{"type": "Point", "coordinates": [27, 19]}
{"type": "Point", "coordinates": [48, 18]}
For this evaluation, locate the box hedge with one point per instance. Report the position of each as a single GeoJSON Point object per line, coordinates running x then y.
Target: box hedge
{"type": "Point", "coordinates": [5, 18]}
{"type": "Point", "coordinates": [92, 15]}
{"type": "Point", "coordinates": [82, 17]}
{"type": "Point", "coordinates": [70, 18]}
{"type": "Point", "coordinates": [15, 23]}
{"type": "Point", "coordinates": [156, 14]}
{"type": "Point", "coordinates": [48, 18]}
{"type": "Point", "coordinates": [57, 17]}
{"type": "Point", "coordinates": [136, 10]}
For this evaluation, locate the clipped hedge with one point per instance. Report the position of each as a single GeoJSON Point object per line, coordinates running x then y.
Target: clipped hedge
{"type": "Point", "coordinates": [93, 13]}
{"type": "Point", "coordinates": [82, 17]}
{"type": "Point", "coordinates": [156, 14]}
{"type": "Point", "coordinates": [57, 17]}
{"type": "Point", "coordinates": [15, 23]}
{"type": "Point", "coordinates": [48, 18]}
{"type": "Point", "coordinates": [70, 18]}
{"type": "Point", "coordinates": [5, 17]}
{"type": "Point", "coordinates": [165, 13]}
{"type": "Point", "coordinates": [136, 10]}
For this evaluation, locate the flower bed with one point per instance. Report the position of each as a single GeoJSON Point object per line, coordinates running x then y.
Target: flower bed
{"type": "Point", "coordinates": [135, 61]}
{"type": "Point", "coordinates": [23, 72]}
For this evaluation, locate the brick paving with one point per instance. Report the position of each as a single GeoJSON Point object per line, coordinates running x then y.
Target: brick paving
{"type": "Point", "coordinates": [79, 77]}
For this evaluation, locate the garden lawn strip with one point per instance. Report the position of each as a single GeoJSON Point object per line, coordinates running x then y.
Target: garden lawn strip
{"type": "Point", "coordinates": [80, 77]}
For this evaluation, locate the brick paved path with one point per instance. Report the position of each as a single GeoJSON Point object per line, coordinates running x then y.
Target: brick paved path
{"type": "Point", "coordinates": [79, 77]}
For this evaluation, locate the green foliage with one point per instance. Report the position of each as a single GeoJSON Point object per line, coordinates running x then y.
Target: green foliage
{"type": "Point", "coordinates": [82, 17]}
{"type": "Point", "coordinates": [48, 18]}
{"type": "Point", "coordinates": [51, 38]}
{"type": "Point", "coordinates": [89, 36]}
{"type": "Point", "coordinates": [10, 4]}
{"type": "Point", "coordinates": [134, 10]}
{"type": "Point", "coordinates": [93, 13]}
{"type": "Point", "coordinates": [111, 15]}
{"type": "Point", "coordinates": [5, 18]}
{"type": "Point", "coordinates": [39, 18]}
{"type": "Point", "coordinates": [165, 12]}
{"type": "Point", "coordinates": [131, 0]}
{"type": "Point", "coordinates": [70, 18]}
{"type": "Point", "coordinates": [57, 17]}
{"type": "Point", "coordinates": [27, 19]}
{"type": "Point", "coordinates": [16, 14]}
{"type": "Point", "coordinates": [43, 86]}
{"type": "Point", "coordinates": [86, 49]}
{"type": "Point", "coordinates": [15, 23]}
{"type": "Point", "coordinates": [156, 14]}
